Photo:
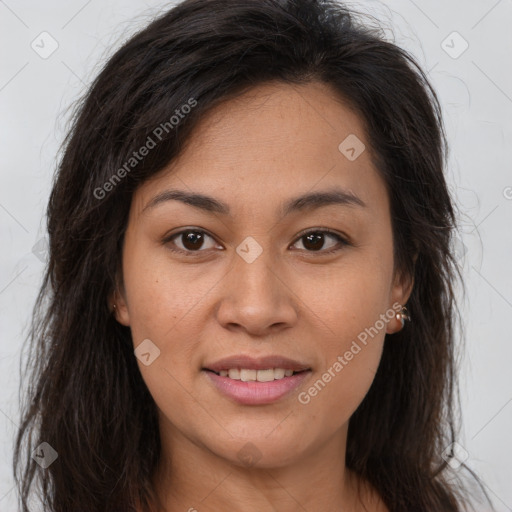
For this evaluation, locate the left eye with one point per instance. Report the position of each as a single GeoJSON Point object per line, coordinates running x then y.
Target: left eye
{"type": "Point", "coordinates": [314, 241]}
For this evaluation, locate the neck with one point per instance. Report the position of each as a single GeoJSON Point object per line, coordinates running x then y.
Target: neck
{"type": "Point", "coordinates": [193, 478]}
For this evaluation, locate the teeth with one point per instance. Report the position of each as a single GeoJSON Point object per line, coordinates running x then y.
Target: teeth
{"type": "Point", "coordinates": [234, 374]}
{"type": "Point", "coordinates": [248, 375]}
{"type": "Point", "coordinates": [279, 373]}
{"type": "Point", "coordinates": [265, 375]}
{"type": "Point", "coordinates": [256, 375]}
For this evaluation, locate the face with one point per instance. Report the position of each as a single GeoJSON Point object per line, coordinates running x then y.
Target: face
{"type": "Point", "coordinates": [253, 273]}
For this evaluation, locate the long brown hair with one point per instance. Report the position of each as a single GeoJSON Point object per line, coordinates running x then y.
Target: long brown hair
{"type": "Point", "coordinates": [85, 395]}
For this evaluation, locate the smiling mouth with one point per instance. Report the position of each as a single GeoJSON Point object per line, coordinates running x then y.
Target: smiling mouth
{"type": "Point", "coordinates": [250, 375]}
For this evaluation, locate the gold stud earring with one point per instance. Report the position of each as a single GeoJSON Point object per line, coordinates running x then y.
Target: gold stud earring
{"type": "Point", "coordinates": [403, 315]}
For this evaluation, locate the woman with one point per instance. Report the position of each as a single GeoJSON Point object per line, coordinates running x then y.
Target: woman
{"type": "Point", "coordinates": [249, 298]}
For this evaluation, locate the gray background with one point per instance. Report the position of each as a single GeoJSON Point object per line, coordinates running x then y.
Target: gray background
{"type": "Point", "coordinates": [475, 88]}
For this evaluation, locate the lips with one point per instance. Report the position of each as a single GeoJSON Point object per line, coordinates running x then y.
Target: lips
{"type": "Point", "coordinates": [256, 393]}
{"type": "Point", "coordinates": [256, 381]}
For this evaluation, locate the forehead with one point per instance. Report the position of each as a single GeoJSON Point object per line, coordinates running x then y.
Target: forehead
{"type": "Point", "coordinates": [274, 139]}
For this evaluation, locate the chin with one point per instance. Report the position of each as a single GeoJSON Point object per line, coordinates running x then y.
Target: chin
{"type": "Point", "coordinates": [260, 452]}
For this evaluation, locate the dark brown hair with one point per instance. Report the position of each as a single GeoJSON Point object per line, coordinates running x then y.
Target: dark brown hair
{"type": "Point", "coordinates": [85, 395]}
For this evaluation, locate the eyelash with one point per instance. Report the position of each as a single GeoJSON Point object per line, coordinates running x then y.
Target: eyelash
{"type": "Point", "coordinates": [341, 241]}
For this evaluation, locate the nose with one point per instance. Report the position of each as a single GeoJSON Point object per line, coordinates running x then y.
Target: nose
{"type": "Point", "coordinates": [256, 297]}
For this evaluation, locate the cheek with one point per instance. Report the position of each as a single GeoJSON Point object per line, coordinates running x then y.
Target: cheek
{"type": "Point", "coordinates": [162, 297]}
{"type": "Point", "coordinates": [164, 307]}
{"type": "Point", "coordinates": [349, 310]}
{"type": "Point", "coordinates": [167, 306]}
{"type": "Point", "coordinates": [341, 385]}
{"type": "Point", "coordinates": [344, 299]}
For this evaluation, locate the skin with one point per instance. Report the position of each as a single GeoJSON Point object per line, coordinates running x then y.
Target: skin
{"type": "Point", "coordinates": [267, 146]}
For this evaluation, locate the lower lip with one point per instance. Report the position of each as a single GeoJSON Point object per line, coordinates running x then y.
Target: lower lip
{"type": "Point", "coordinates": [256, 393]}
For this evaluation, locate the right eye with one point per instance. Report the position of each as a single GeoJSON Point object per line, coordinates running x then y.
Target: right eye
{"type": "Point", "coordinates": [188, 241]}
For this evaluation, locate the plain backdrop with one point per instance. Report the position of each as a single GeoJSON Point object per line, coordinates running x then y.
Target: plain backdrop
{"type": "Point", "coordinates": [466, 47]}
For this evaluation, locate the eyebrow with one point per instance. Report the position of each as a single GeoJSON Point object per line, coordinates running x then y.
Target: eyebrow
{"type": "Point", "coordinates": [306, 201]}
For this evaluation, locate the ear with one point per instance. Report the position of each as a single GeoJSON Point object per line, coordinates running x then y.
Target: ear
{"type": "Point", "coordinates": [400, 293]}
{"type": "Point", "coordinates": [118, 299]}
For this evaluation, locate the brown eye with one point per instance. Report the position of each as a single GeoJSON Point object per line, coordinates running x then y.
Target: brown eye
{"type": "Point", "coordinates": [190, 240]}
{"type": "Point", "coordinates": [313, 241]}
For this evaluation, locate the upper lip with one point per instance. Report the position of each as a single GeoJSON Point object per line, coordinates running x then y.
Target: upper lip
{"type": "Point", "coordinates": [259, 363]}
